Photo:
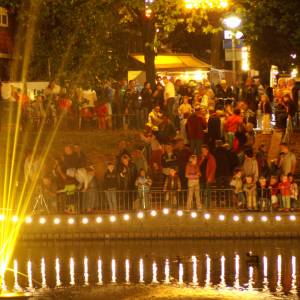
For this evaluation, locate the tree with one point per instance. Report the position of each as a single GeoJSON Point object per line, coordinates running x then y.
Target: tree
{"type": "Point", "coordinates": [272, 29]}
{"type": "Point", "coordinates": [157, 20]}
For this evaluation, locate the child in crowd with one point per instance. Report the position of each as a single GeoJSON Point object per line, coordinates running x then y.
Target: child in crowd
{"type": "Point", "coordinates": [237, 184]}
{"type": "Point", "coordinates": [274, 190]}
{"type": "Point", "coordinates": [70, 190]}
{"type": "Point", "coordinates": [263, 194]}
{"type": "Point", "coordinates": [285, 192]}
{"type": "Point", "coordinates": [250, 191]}
{"type": "Point", "coordinates": [192, 173]}
{"type": "Point", "coordinates": [143, 184]}
{"type": "Point", "coordinates": [294, 191]}
{"type": "Point", "coordinates": [172, 186]}
{"type": "Point", "coordinates": [110, 186]}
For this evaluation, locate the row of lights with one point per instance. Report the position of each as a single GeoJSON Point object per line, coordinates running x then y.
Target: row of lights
{"type": "Point", "coordinates": [153, 213]}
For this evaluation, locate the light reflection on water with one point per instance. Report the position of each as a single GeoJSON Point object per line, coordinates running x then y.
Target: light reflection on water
{"type": "Point", "coordinates": [218, 267]}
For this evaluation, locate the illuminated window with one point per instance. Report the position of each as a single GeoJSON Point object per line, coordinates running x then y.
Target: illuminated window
{"type": "Point", "coordinates": [3, 17]}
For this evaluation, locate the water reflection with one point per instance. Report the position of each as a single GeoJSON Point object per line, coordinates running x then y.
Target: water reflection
{"type": "Point", "coordinates": [195, 276]}
{"type": "Point", "coordinates": [237, 272]}
{"type": "Point", "coordinates": [72, 271]}
{"type": "Point", "coordinates": [141, 270]}
{"type": "Point", "coordinates": [29, 275]}
{"type": "Point", "coordinates": [207, 279]}
{"type": "Point", "coordinates": [277, 272]}
{"type": "Point", "coordinates": [154, 273]}
{"type": "Point", "coordinates": [57, 272]}
{"type": "Point", "coordinates": [43, 273]}
{"type": "Point", "coordinates": [86, 270]}
{"type": "Point", "coordinates": [100, 277]}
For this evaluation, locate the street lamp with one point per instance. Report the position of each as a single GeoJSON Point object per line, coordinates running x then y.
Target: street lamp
{"type": "Point", "coordinates": [233, 23]}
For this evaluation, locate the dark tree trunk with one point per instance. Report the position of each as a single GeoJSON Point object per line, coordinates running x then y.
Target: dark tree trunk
{"type": "Point", "coordinates": [149, 51]}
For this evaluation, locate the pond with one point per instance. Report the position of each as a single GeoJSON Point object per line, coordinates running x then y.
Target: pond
{"type": "Point", "coordinates": [187, 267]}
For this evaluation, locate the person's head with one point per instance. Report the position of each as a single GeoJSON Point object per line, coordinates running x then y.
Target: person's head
{"type": "Point", "coordinates": [249, 153]}
{"type": "Point", "coordinates": [147, 85]}
{"type": "Point", "coordinates": [238, 173]}
{"type": "Point", "coordinates": [125, 160]}
{"type": "Point", "coordinates": [249, 179]}
{"type": "Point", "coordinates": [284, 148]}
{"type": "Point", "coordinates": [204, 150]}
{"type": "Point", "coordinates": [284, 178]}
{"type": "Point", "coordinates": [76, 148]}
{"type": "Point", "coordinates": [262, 148]}
{"type": "Point", "coordinates": [262, 181]}
{"type": "Point", "coordinates": [264, 98]}
{"type": "Point", "coordinates": [122, 145]}
{"type": "Point", "coordinates": [71, 172]}
{"type": "Point", "coordinates": [223, 83]}
{"type": "Point", "coordinates": [142, 172]}
{"type": "Point", "coordinates": [172, 172]}
{"type": "Point", "coordinates": [156, 108]}
{"type": "Point", "coordinates": [169, 148]}
{"type": "Point", "coordinates": [165, 79]}
{"type": "Point", "coordinates": [291, 177]}
{"type": "Point", "coordinates": [131, 84]}
{"type": "Point", "coordinates": [198, 108]}
{"type": "Point", "coordinates": [110, 166]}
{"type": "Point", "coordinates": [237, 111]}
{"type": "Point", "coordinates": [68, 150]}
{"type": "Point", "coordinates": [219, 143]}
{"type": "Point", "coordinates": [155, 166]}
{"type": "Point", "coordinates": [179, 143]}
{"type": "Point", "coordinates": [273, 180]}
{"type": "Point", "coordinates": [46, 180]}
{"type": "Point", "coordinates": [185, 99]}
{"type": "Point", "coordinates": [291, 82]}
{"type": "Point", "coordinates": [281, 83]}
{"type": "Point", "coordinates": [193, 159]}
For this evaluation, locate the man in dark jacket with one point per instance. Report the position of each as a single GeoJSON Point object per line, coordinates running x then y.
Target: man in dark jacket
{"type": "Point", "coordinates": [213, 129]}
{"type": "Point", "coordinates": [195, 127]}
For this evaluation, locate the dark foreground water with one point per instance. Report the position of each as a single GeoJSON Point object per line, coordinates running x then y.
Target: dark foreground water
{"type": "Point", "coordinates": [188, 269]}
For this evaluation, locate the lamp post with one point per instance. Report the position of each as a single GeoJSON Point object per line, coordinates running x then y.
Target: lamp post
{"type": "Point", "coordinates": [233, 23]}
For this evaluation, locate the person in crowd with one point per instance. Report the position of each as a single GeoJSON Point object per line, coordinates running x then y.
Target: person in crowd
{"type": "Point", "coordinates": [71, 196]}
{"type": "Point", "coordinates": [157, 176]}
{"type": "Point", "coordinates": [147, 102]}
{"type": "Point", "coordinates": [250, 166]}
{"type": "Point", "coordinates": [155, 117]}
{"type": "Point", "coordinates": [240, 138]}
{"type": "Point", "coordinates": [232, 124]}
{"type": "Point", "coordinates": [238, 187]}
{"type": "Point", "coordinates": [81, 157]}
{"type": "Point", "coordinates": [294, 191]}
{"type": "Point", "coordinates": [143, 184]}
{"type": "Point", "coordinates": [102, 114]}
{"type": "Point", "coordinates": [265, 111]}
{"type": "Point", "coordinates": [223, 165]}
{"type": "Point", "coordinates": [287, 160]}
{"type": "Point", "coordinates": [207, 164]}
{"type": "Point", "coordinates": [126, 173]}
{"type": "Point", "coordinates": [70, 159]}
{"type": "Point", "coordinates": [172, 187]}
{"type": "Point", "coordinates": [223, 90]}
{"type": "Point", "coordinates": [166, 130]}
{"type": "Point", "coordinates": [87, 185]}
{"type": "Point", "coordinates": [132, 105]}
{"type": "Point", "coordinates": [263, 194]}
{"type": "Point", "coordinates": [49, 189]}
{"type": "Point", "coordinates": [250, 192]}
{"type": "Point", "coordinates": [169, 160]}
{"type": "Point", "coordinates": [192, 173]}
{"type": "Point", "coordinates": [233, 158]}
{"type": "Point", "coordinates": [184, 111]}
{"type": "Point", "coordinates": [262, 161]}
{"type": "Point", "coordinates": [139, 159]}
{"type": "Point", "coordinates": [158, 97]}
{"type": "Point", "coordinates": [110, 186]}
{"type": "Point", "coordinates": [195, 126]}
{"type": "Point", "coordinates": [123, 149]}
{"type": "Point", "coordinates": [285, 192]}
{"type": "Point", "coordinates": [250, 94]}
{"type": "Point", "coordinates": [213, 129]}
{"type": "Point", "coordinates": [183, 154]}
{"type": "Point", "coordinates": [169, 96]}
{"type": "Point", "coordinates": [274, 189]}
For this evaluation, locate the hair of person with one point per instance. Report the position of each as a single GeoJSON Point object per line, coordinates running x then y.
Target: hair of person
{"type": "Point", "coordinates": [249, 152]}
{"type": "Point", "coordinates": [237, 111]}
{"type": "Point", "coordinates": [205, 147]}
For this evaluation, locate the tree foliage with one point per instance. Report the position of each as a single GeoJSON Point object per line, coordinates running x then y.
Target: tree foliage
{"type": "Point", "coordinates": [272, 28]}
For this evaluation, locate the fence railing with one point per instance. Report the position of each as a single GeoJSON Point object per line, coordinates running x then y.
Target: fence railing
{"type": "Point", "coordinates": [93, 201]}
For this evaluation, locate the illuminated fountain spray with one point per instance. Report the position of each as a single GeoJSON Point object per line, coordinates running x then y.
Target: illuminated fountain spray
{"type": "Point", "coordinates": [86, 270]}
{"type": "Point", "coordinates": [208, 269]}
{"type": "Point", "coordinates": [141, 270]}
{"type": "Point", "coordinates": [29, 274]}
{"type": "Point", "coordinates": [127, 271]}
{"type": "Point", "coordinates": [265, 280]}
{"type": "Point", "coordinates": [100, 277]}
{"type": "Point", "coordinates": [237, 272]}
{"type": "Point", "coordinates": [195, 276]}
{"type": "Point", "coordinates": [167, 272]}
{"type": "Point", "coordinates": [57, 272]}
{"type": "Point", "coordinates": [294, 290]}
{"type": "Point", "coordinates": [113, 271]}
{"type": "Point", "coordinates": [180, 274]}
{"type": "Point", "coordinates": [43, 273]}
{"type": "Point", "coordinates": [154, 273]}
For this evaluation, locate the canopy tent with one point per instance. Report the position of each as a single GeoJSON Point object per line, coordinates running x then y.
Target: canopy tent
{"type": "Point", "coordinates": [175, 62]}
{"type": "Point", "coordinates": [178, 65]}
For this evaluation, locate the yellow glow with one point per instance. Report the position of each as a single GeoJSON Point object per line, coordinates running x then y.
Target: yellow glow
{"type": "Point", "coordinates": [112, 219]}
{"type": "Point", "coordinates": [71, 221]}
{"type": "Point", "coordinates": [56, 221]}
{"type": "Point", "coordinates": [245, 59]}
{"type": "Point", "coordinates": [206, 4]}
{"type": "Point", "coordinates": [42, 221]}
{"type": "Point", "coordinates": [126, 217]}
{"type": "Point", "coordinates": [140, 215]}
{"type": "Point", "coordinates": [85, 220]}
{"type": "Point", "coordinates": [153, 213]}
{"type": "Point", "coordinates": [99, 220]}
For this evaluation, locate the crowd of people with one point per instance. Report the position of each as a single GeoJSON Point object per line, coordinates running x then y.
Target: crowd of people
{"type": "Point", "coordinates": [194, 138]}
